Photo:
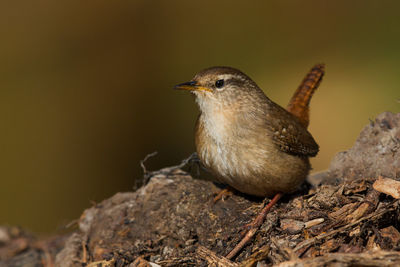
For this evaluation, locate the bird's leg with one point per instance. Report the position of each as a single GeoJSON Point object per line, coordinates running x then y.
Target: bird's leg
{"type": "Point", "coordinates": [254, 225]}
{"type": "Point", "coordinates": [224, 193]}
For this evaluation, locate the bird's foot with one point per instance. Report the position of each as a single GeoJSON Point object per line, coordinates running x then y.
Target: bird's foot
{"type": "Point", "coordinates": [223, 194]}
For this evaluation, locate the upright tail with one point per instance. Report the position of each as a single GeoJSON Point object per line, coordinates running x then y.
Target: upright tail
{"type": "Point", "coordinates": [300, 102]}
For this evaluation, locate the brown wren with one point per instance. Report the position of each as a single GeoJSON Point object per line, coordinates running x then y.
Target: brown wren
{"type": "Point", "coordinates": [245, 139]}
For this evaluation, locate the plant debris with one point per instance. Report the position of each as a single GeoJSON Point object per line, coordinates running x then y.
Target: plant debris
{"type": "Point", "coordinates": [348, 216]}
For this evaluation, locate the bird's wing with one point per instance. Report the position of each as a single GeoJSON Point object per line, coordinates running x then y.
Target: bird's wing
{"type": "Point", "coordinates": [290, 135]}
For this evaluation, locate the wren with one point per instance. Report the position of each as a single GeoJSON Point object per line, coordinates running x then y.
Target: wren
{"type": "Point", "coordinates": [244, 138]}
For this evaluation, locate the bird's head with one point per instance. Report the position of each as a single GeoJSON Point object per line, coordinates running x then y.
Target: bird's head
{"type": "Point", "coordinates": [221, 86]}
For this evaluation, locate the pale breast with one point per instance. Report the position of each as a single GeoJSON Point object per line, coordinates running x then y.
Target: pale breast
{"type": "Point", "coordinates": [228, 149]}
{"type": "Point", "coordinates": [245, 160]}
{"type": "Point", "coordinates": [212, 142]}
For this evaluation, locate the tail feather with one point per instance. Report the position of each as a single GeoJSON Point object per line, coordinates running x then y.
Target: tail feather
{"type": "Point", "coordinates": [300, 102]}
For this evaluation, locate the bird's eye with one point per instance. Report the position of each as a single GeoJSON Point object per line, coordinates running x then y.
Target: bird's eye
{"type": "Point", "coordinates": [219, 83]}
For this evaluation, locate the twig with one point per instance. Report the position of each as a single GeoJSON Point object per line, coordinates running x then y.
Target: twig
{"type": "Point", "coordinates": [71, 223]}
{"type": "Point", "coordinates": [258, 221]}
{"type": "Point", "coordinates": [165, 171]}
{"type": "Point", "coordinates": [84, 252]}
{"type": "Point", "coordinates": [102, 263]}
{"type": "Point", "coordinates": [145, 159]}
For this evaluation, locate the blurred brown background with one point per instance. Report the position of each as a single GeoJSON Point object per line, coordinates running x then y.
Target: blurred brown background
{"type": "Point", "coordinates": [86, 86]}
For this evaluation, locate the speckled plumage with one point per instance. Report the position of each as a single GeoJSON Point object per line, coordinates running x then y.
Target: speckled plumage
{"type": "Point", "coordinates": [247, 140]}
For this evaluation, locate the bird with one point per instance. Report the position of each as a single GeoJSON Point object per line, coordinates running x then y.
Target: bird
{"type": "Point", "coordinates": [248, 141]}
{"type": "Point", "coordinates": [245, 139]}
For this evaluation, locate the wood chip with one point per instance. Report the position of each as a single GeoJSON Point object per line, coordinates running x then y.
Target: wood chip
{"type": "Point", "coordinates": [314, 222]}
{"type": "Point", "coordinates": [387, 186]}
{"type": "Point", "coordinates": [358, 213]}
{"type": "Point", "coordinates": [391, 233]}
{"type": "Point", "coordinates": [140, 262]}
{"type": "Point", "coordinates": [371, 244]}
{"type": "Point", "coordinates": [330, 245]}
{"type": "Point", "coordinates": [213, 259]}
{"type": "Point", "coordinates": [292, 226]}
{"type": "Point", "coordinates": [343, 211]}
{"type": "Point", "coordinates": [356, 231]}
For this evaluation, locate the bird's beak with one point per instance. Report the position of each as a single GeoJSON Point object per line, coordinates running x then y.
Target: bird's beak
{"type": "Point", "coordinates": [192, 86]}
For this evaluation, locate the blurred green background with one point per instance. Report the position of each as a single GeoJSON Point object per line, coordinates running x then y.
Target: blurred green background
{"type": "Point", "coordinates": [86, 86]}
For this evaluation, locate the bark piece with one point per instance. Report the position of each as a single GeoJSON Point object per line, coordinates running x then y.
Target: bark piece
{"type": "Point", "coordinates": [292, 226]}
{"type": "Point", "coordinates": [388, 186]}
